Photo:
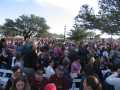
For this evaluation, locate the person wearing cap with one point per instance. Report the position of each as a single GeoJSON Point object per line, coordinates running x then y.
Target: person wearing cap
{"type": "Point", "coordinates": [59, 80]}
{"type": "Point", "coordinates": [50, 86]}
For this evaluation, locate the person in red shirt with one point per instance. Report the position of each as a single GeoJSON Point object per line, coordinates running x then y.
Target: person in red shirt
{"type": "Point", "coordinates": [59, 80]}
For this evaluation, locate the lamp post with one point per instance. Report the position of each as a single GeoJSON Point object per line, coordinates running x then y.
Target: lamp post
{"type": "Point", "coordinates": [64, 32]}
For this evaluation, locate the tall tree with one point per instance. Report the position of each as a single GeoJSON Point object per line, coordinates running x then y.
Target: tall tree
{"type": "Point", "coordinates": [86, 17]}
{"type": "Point", "coordinates": [110, 12]}
{"type": "Point", "coordinates": [78, 33]}
{"type": "Point", "coordinates": [8, 27]}
{"type": "Point", "coordinates": [26, 25]}
{"type": "Point", "coordinates": [107, 20]}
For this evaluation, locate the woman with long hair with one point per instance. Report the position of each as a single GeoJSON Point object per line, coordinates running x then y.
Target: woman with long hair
{"type": "Point", "coordinates": [20, 83]}
{"type": "Point", "coordinates": [17, 72]}
{"type": "Point", "coordinates": [92, 83]}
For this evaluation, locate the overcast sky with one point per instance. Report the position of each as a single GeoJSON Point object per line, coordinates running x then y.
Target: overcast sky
{"type": "Point", "coordinates": [57, 13]}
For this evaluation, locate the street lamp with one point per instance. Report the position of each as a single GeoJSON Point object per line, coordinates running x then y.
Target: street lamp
{"type": "Point", "coordinates": [64, 32]}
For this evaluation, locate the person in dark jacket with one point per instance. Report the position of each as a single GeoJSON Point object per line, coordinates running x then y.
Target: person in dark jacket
{"type": "Point", "coordinates": [29, 57]}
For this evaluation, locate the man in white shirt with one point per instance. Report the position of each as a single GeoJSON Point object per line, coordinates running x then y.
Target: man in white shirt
{"type": "Point", "coordinates": [114, 79]}
{"type": "Point", "coordinates": [50, 70]}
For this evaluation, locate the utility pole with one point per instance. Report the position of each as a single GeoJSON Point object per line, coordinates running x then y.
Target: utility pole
{"type": "Point", "coordinates": [64, 32]}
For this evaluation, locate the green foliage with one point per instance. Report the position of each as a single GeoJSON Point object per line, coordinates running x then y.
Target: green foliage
{"type": "Point", "coordinates": [86, 18]}
{"type": "Point", "coordinates": [91, 35]}
{"type": "Point", "coordinates": [110, 12]}
{"type": "Point", "coordinates": [97, 36]}
{"type": "Point", "coordinates": [8, 27]}
{"type": "Point", "coordinates": [78, 33]}
{"type": "Point", "coordinates": [107, 20]}
{"type": "Point", "coordinates": [83, 21]}
{"type": "Point", "coordinates": [26, 25]}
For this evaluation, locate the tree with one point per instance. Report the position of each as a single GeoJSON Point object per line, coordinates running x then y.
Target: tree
{"type": "Point", "coordinates": [97, 36]}
{"type": "Point", "coordinates": [1, 31]}
{"type": "Point", "coordinates": [91, 35]}
{"type": "Point", "coordinates": [26, 25]}
{"type": "Point", "coordinates": [107, 20]}
{"type": "Point", "coordinates": [86, 18]}
{"type": "Point", "coordinates": [110, 11]}
{"type": "Point", "coordinates": [8, 27]}
{"type": "Point", "coordinates": [78, 33]}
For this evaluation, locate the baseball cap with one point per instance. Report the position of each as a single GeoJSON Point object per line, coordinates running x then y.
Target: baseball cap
{"type": "Point", "coordinates": [50, 86]}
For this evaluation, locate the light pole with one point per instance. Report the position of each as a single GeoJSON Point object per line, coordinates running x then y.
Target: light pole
{"type": "Point", "coordinates": [64, 32]}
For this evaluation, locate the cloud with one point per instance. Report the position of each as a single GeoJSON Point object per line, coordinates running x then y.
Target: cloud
{"type": "Point", "coordinates": [69, 5]}
{"type": "Point", "coordinates": [60, 3]}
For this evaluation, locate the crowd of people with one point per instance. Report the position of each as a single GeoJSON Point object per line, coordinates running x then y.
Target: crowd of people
{"type": "Point", "coordinates": [57, 65]}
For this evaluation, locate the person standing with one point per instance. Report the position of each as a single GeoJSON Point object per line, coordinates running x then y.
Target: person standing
{"type": "Point", "coordinates": [59, 80]}
{"type": "Point", "coordinates": [29, 57]}
{"type": "Point", "coordinates": [39, 81]}
{"type": "Point", "coordinates": [92, 83]}
{"type": "Point", "coordinates": [50, 70]}
{"type": "Point", "coordinates": [114, 79]}
{"type": "Point", "coordinates": [20, 83]}
{"type": "Point", "coordinates": [50, 86]}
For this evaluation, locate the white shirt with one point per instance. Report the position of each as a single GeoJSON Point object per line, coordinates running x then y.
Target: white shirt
{"type": "Point", "coordinates": [114, 80]}
{"type": "Point", "coordinates": [105, 53]}
{"type": "Point", "coordinates": [49, 71]}
{"type": "Point", "coordinates": [13, 61]}
{"type": "Point", "coordinates": [19, 64]}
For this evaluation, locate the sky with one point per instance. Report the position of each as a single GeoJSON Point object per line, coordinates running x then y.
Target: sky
{"type": "Point", "coordinates": [57, 13]}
